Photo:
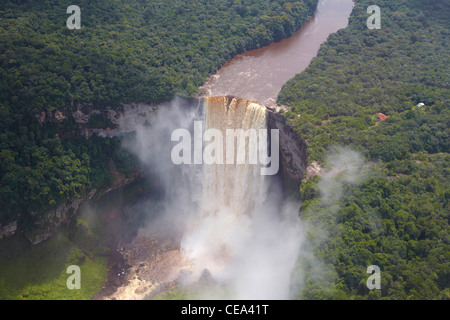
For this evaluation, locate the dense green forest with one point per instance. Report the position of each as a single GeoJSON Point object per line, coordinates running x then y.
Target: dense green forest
{"type": "Point", "coordinates": [125, 51]}
{"type": "Point", "coordinates": [398, 216]}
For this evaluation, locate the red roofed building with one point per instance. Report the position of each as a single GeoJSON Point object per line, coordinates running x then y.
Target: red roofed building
{"type": "Point", "coordinates": [382, 116]}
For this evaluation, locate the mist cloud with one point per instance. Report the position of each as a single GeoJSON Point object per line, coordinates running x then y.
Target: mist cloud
{"type": "Point", "coordinates": [343, 166]}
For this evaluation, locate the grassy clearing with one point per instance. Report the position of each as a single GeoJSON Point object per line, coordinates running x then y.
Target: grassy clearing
{"type": "Point", "coordinates": [40, 272]}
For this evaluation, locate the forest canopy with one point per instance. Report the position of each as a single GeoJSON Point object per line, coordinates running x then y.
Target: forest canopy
{"type": "Point", "coordinates": [384, 93]}
{"type": "Point", "coordinates": [127, 50]}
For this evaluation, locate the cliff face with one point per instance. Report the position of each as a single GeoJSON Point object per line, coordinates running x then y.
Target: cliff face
{"type": "Point", "coordinates": [111, 118]}
{"type": "Point", "coordinates": [292, 153]}
{"type": "Point", "coordinates": [292, 149]}
{"type": "Point", "coordinates": [44, 226]}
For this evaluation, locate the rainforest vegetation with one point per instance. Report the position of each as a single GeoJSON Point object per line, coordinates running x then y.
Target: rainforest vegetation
{"type": "Point", "coordinates": [398, 217]}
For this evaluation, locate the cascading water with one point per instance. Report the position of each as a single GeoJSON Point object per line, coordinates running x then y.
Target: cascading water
{"type": "Point", "coordinates": [243, 234]}
{"type": "Point", "coordinates": [231, 192]}
{"type": "Point", "coordinates": [235, 186]}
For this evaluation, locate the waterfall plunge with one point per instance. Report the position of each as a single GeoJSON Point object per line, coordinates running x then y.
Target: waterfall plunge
{"type": "Point", "coordinates": [233, 220]}
{"type": "Point", "coordinates": [231, 192]}
{"type": "Point", "coordinates": [244, 234]}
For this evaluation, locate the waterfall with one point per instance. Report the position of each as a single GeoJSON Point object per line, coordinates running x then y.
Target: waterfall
{"type": "Point", "coordinates": [231, 192]}
{"type": "Point", "coordinates": [244, 234]}
{"type": "Point", "coordinates": [230, 215]}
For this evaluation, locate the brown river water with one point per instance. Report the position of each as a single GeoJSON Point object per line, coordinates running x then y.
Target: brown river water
{"type": "Point", "coordinates": [259, 75]}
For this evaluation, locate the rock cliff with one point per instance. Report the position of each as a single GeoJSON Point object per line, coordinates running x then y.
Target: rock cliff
{"type": "Point", "coordinates": [292, 148]}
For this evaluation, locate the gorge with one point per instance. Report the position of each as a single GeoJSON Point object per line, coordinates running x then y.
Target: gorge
{"type": "Point", "coordinates": [219, 221]}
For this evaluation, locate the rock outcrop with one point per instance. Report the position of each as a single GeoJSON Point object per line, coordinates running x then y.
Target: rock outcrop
{"type": "Point", "coordinates": [292, 149]}
{"type": "Point", "coordinates": [139, 113]}
{"type": "Point", "coordinates": [8, 230]}
{"type": "Point", "coordinates": [314, 169]}
{"type": "Point", "coordinates": [45, 226]}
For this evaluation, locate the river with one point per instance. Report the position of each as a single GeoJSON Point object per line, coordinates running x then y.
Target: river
{"type": "Point", "coordinates": [259, 75]}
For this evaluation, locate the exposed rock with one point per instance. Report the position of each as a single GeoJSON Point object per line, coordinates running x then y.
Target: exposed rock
{"type": "Point", "coordinates": [113, 116]}
{"type": "Point", "coordinates": [49, 116]}
{"type": "Point", "coordinates": [42, 117]}
{"type": "Point", "coordinates": [8, 230]}
{"type": "Point", "coordinates": [154, 263]}
{"type": "Point", "coordinates": [45, 226]}
{"type": "Point", "coordinates": [292, 149]}
{"type": "Point", "coordinates": [59, 116]}
{"type": "Point", "coordinates": [83, 116]}
{"type": "Point", "coordinates": [314, 169]}
{"type": "Point", "coordinates": [137, 113]}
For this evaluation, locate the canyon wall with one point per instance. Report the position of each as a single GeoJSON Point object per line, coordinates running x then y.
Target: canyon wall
{"type": "Point", "coordinates": [292, 148]}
